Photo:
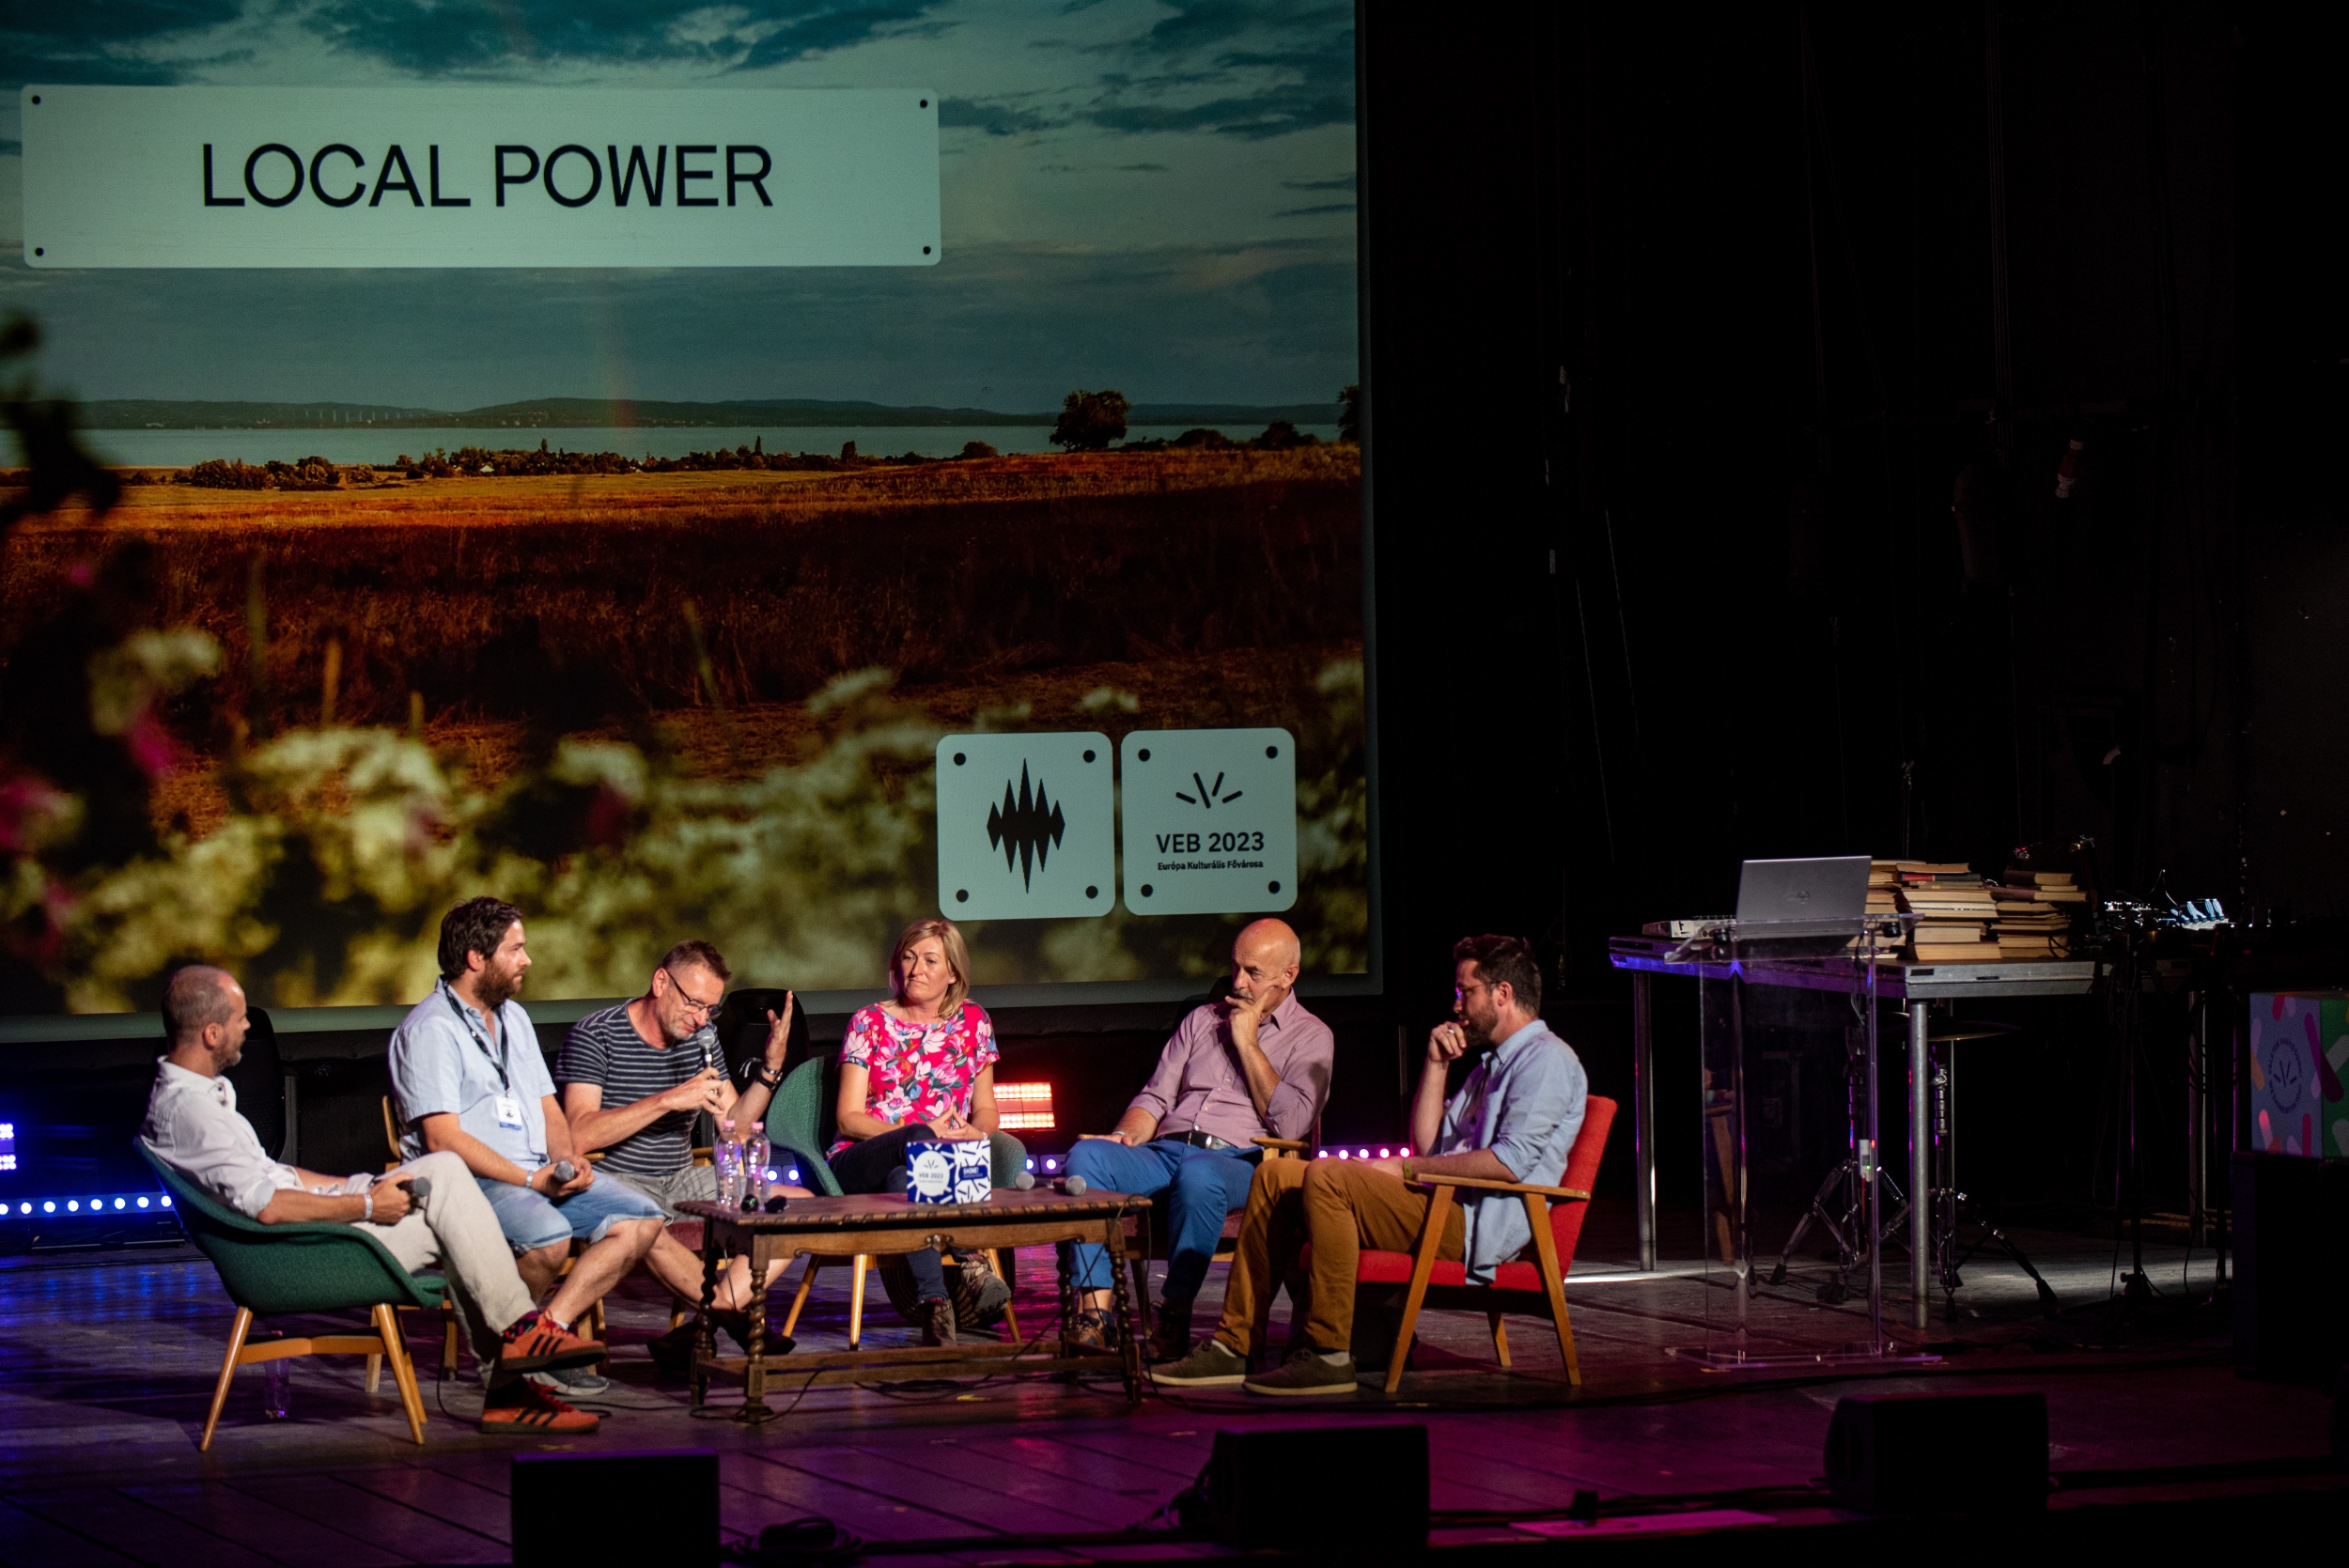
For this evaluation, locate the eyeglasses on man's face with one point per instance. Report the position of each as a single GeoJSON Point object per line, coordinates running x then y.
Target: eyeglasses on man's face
{"type": "Point", "coordinates": [708, 1011]}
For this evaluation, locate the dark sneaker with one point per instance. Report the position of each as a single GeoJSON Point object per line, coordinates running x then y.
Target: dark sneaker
{"type": "Point", "coordinates": [1170, 1336]}
{"type": "Point", "coordinates": [1305, 1372]}
{"type": "Point", "coordinates": [777, 1342]}
{"type": "Point", "coordinates": [1093, 1330]}
{"type": "Point", "coordinates": [534, 1345]}
{"type": "Point", "coordinates": [672, 1352]}
{"type": "Point", "coordinates": [1213, 1364]}
{"type": "Point", "coordinates": [529, 1410]}
{"type": "Point", "coordinates": [579, 1382]}
{"type": "Point", "coordinates": [938, 1326]}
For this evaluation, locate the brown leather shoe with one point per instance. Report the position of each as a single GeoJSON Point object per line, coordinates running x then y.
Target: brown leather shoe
{"type": "Point", "coordinates": [1169, 1334]}
{"type": "Point", "coordinates": [1094, 1329]}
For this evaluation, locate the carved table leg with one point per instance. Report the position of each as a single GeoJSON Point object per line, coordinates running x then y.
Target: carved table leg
{"type": "Point", "coordinates": [705, 1328]}
{"type": "Point", "coordinates": [1068, 1303]}
{"type": "Point", "coordinates": [1129, 1345]}
{"type": "Point", "coordinates": [755, 1372]}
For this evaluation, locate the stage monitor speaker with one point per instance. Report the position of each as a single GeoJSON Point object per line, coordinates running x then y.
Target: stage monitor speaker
{"type": "Point", "coordinates": [2291, 1266]}
{"type": "Point", "coordinates": [1938, 1453]}
{"type": "Point", "coordinates": [1320, 1489]}
{"type": "Point", "coordinates": [564, 1514]}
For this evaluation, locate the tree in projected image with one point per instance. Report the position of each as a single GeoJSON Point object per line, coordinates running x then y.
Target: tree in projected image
{"type": "Point", "coordinates": [340, 846]}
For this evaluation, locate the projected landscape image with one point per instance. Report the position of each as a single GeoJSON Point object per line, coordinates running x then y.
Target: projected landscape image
{"type": "Point", "coordinates": [279, 714]}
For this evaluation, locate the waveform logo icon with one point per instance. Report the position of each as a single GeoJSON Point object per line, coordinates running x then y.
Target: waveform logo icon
{"type": "Point", "coordinates": [1027, 827]}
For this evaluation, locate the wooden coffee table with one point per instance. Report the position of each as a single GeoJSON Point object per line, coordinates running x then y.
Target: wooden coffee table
{"type": "Point", "coordinates": [843, 1227]}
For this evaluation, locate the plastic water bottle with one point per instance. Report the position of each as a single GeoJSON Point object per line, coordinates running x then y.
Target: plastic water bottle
{"type": "Point", "coordinates": [277, 1384]}
{"type": "Point", "coordinates": [727, 1157]}
{"type": "Point", "coordinates": [756, 1153]}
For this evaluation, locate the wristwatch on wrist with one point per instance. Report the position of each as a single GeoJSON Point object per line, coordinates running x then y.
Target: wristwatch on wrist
{"type": "Point", "coordinates": [1407, 1172]}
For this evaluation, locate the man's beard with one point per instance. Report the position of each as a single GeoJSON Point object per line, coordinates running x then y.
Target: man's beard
{"type": "Point", "coordinates": [498, 987]}
{"type": "Point", "coordinates": [1479, 1030]}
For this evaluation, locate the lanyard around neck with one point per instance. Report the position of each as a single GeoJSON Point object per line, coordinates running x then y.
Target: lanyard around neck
{"type": "Point", "coordinates": [506, 1079]}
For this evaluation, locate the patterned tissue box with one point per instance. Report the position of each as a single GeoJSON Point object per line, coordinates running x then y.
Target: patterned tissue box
{"type": "Point", "coordinates": [948, 1170]}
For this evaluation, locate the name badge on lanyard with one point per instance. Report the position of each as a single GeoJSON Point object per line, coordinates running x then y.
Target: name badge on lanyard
{"type": "Point", "coordinates": [509, 1112]}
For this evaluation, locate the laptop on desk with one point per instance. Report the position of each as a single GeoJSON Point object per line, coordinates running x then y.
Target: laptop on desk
{"type": "Point", "coordinates": [1800, 908]}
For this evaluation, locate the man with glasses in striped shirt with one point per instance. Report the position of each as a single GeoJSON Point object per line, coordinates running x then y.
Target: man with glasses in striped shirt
{"type": "Point", "coordinates": [634, 1076]}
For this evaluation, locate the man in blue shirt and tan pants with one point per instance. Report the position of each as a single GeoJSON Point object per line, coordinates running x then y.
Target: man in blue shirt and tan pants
{"type": "Point", "coordinates": [1515, 1119]}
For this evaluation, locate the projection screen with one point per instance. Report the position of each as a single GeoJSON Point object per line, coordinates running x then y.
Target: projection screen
{"type": "Point", "coordinates": [763, 473]}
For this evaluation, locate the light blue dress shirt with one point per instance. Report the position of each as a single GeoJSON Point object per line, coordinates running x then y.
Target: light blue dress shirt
{"type": "Point", "coordinates": [443, 1060]}
{"type": "Point", "coordinates": [1524, 1102]}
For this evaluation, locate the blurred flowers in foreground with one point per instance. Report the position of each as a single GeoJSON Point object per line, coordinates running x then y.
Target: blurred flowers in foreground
{"type": "Point", "coordinates": [324, 882]}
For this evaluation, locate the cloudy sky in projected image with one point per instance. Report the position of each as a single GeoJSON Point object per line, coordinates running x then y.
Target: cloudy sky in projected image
{"type": "Point", "coordinates": [1151, 194]}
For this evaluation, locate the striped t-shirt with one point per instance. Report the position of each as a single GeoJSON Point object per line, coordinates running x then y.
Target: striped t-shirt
{"type": "Point", "coordinates": [604, 1048]}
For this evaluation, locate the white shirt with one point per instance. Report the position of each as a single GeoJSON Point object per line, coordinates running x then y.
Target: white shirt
{"type": "Point", "coordinates": [193, 1126]}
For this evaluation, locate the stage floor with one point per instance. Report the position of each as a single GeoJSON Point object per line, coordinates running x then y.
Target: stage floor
{"type": "Point", "coordinates": [107, 1361]}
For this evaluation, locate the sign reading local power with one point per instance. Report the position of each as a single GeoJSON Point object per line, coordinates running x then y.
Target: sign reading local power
{"type": "Point", "coordinates": [1209, 818]}
{"type": "Point", "coordinates": [436, 177]}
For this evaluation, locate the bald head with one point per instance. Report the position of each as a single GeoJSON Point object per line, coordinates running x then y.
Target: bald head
{"type": "Point", "coordinates": [204, 1016]}
{"type": "Point", "coordinates": [1265, 958]}
{"type": "Point", "coordinates": [1271, 938]}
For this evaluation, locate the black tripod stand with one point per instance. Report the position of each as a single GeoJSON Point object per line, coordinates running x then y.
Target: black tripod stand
{"type": "Point", "coordinates": [1948, 1203]}
{"type": "Point", "coordinates": [1839, 1205]}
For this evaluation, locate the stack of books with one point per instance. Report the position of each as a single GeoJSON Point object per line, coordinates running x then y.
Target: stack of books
{"type": "Point", "coordinates": [2034, 915]}
{"type": "Point", "coordinates": [1955, 910]}
{"type": "Point", "coordinates": [1884, 903]}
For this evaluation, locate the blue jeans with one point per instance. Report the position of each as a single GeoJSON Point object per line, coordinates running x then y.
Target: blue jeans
{"type": "Point", "coordinates": [531, 1221]}
{"type": "Point", "coordinates": [1202, 1187]}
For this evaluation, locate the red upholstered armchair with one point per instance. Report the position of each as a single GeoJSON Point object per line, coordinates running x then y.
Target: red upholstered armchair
{"type": "Point", "coordinates": [1536, 1287]}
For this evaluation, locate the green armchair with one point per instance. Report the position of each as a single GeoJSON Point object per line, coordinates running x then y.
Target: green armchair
{"type": "Point", "coordinates": [272, 1270]}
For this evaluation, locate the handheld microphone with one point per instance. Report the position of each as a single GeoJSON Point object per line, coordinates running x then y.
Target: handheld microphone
{"type": "Point", "coordinates": [419, 1188]}
{"type": "Point", "coordinates": [1025, 1181]}
{"type": "Point", "coordinates": [1073, 1185]}
{"type": "Point", "coordinates": [566, 1172]}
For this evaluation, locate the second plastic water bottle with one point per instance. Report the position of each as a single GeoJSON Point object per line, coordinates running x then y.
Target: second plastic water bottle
{"type": "Point", "coordinates": [727, 1157]}
{"type": "Point", "coordinates": [756, 1153]}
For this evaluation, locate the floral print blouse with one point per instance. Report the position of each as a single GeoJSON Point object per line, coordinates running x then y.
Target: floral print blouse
{"type": "Point", "coordinates": [918, 1072]}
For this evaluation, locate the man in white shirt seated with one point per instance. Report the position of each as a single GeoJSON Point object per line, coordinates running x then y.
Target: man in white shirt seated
{"type": "Point", "coordinates": [193, 1126]}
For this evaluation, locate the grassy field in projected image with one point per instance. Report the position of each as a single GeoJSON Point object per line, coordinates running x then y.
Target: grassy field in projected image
{"type": "Point", "coordinates": [693, 617]}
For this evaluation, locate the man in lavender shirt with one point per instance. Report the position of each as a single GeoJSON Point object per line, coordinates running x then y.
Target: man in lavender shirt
{"type": "Point", "coordinates": [1256, 1065]}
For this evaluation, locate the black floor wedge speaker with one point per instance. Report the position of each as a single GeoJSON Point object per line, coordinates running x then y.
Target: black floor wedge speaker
{"type": "Point", "coordinates": [1320, 1489]}
{"type": "Point", "coordinates": [619, 1510]}
{"type": "Point", "coordinates": [1938, 1453]}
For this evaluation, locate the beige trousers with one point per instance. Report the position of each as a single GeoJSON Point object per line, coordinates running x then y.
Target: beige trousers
{"type": "Point", "coordinates": [457, 1231]}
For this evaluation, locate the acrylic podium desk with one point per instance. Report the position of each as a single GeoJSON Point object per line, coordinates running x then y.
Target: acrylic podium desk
{"type": "Point", "coordinates": [1906, 985]}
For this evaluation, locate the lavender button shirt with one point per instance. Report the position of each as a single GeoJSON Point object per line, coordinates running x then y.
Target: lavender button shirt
{"type": "Point", "coordinates": [1199, 1086]}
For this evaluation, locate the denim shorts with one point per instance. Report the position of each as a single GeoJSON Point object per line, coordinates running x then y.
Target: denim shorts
{"type": "Point", "coordinates": [531, 1221]}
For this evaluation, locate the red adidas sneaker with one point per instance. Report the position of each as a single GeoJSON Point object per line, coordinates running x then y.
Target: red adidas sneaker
{"type": "Point", "coordinates": [525, 1409]}
{"type": "Point", "coordinates": [534, 1345]}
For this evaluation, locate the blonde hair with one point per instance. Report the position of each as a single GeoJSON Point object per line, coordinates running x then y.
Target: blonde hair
{"type": "Point", "coordinates": [957, 960]}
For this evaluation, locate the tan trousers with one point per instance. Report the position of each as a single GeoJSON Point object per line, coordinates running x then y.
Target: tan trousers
{"type": "Point", "coordinates": [1339, 1207]}
{"type": "Point", "coordinates": [457, 1231]}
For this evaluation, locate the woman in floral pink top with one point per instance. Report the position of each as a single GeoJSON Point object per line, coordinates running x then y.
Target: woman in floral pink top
{"type": "Point", "coordinates": [920, 1065]}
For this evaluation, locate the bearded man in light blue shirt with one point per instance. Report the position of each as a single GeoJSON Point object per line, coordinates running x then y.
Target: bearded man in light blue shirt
{"type": "Point", "coordinates": [1515, 1119]}
{"type": "Point", "coordinates": [469, 1080]}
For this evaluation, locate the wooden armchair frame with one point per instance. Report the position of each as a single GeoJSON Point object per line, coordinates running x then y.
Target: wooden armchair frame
{"type": "Point", "coordinates": [1487, 1298]}
{"type": "Point", "coordinates": [1544, 1296]}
